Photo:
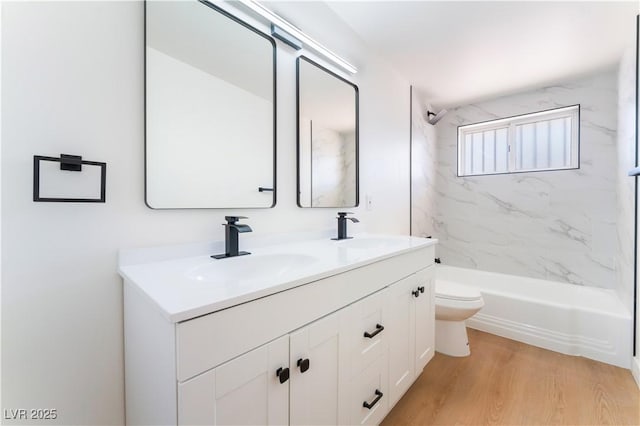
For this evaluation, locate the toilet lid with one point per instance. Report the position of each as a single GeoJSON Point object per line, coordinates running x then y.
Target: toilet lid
{"type": "Point", "coordinates": [455, 291]}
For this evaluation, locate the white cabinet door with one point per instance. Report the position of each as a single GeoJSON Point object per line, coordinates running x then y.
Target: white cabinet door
{"type": "Point", "coordinates": [399, 317]}
{"type": "Point", "coordinates": [424, 319]}
{"type": "Point", "coordinates": [315, 388]}
{"type": "Point", "coordinates": [196, 400]}
{"type": "Point", "coordinates": [245, 390]}
{"type": "Point", "coordinates": [410, 317]}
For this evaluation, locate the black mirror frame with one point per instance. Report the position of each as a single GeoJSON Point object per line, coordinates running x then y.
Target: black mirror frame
{"type": "Point", "coordinates": [357, 119]}
{"type": "Point", "coordinates": [275, 109]}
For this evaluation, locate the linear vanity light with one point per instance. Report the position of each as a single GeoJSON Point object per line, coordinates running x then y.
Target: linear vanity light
{"type": "Point", "coordinates": [290, 29]}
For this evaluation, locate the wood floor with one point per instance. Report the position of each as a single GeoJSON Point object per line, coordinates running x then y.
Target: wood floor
{"type": "Point", "coordinates": [505, 382]}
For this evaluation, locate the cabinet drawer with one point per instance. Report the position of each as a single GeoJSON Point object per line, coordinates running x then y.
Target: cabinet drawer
{"type": "Point", "coordinates": [208, 341]}
{"type": "Point", "coordinates": [369, 387]}
{"type": "Point", "coordinates": [365, 332]}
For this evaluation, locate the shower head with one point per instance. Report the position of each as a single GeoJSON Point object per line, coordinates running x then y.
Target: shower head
{"type": "Point", "coordinates": [433, 118]}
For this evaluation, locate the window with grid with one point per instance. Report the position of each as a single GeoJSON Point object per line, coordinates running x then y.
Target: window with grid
{"type": "Point", "coordinates": [546, 140]}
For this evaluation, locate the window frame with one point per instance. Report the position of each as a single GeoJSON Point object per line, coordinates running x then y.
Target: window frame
{"type": "Point", "coordinates": [510, 124]}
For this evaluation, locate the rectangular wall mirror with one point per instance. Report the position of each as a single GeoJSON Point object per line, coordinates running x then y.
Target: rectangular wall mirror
{"type": "Point", "coordinates": [210, 109]}
{"type": "Point", "coordinates": [327, 137]}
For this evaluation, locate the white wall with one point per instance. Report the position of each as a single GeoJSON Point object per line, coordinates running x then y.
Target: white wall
{"type": "Point", "coordinates": [556, 225]}
{"type": "Point", "coordinates": [184, 118]}
{"type": "Point", "coordinates": [72, 75]}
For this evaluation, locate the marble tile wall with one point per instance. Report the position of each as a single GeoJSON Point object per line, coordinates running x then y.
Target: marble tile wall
{"type": "Point", "coordinates": [333, 168]}
{"type": "Point", "coordinates": [557, 225]}
{"type": "Point", "coordinates": [327, 168]}
{"type": "Point", "coordinates": [348, 181]}
{"type": "Point", "coordinates": [625, 185]}
{"type": "Point", "coordinates": [423, 170]}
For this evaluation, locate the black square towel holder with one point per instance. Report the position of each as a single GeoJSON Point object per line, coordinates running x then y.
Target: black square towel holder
{"type": "Point", "coordinates": [72, 163]}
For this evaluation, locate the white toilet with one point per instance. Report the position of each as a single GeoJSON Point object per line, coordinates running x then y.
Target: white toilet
{"type": "Point", "coordinates": [454, 304]}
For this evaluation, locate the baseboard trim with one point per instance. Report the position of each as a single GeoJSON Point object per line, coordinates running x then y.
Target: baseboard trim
{"type": "Point", "coordinates": [635, 370]}
{"type": "Point", "coordinates": [588, 347]}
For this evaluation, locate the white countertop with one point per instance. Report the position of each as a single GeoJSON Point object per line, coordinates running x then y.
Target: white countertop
{"type": "Point", "coordinates": [190, 284]}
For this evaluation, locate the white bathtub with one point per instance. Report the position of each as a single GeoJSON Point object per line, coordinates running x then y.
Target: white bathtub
{"type": "Point", "coordinates": [570, 319]}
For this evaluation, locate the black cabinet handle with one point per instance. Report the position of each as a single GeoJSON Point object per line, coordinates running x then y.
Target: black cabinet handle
{"type": "Point", "coordinates": [416, 293]}
{"type": "Point", "coordinates": [370, 405]}
{"type": "Point", "coordinates": [303, 364]}
{"type": "Point", "coordinates": [379, 328]}
{"type": "Point", "coordinates": [421, 289]}
{"type": "Point", "coordinates": [282, 374]}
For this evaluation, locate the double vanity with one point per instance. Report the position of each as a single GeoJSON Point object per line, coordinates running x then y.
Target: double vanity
{"type": "Point", "coordinates": [307, 331]}
{"type": "Point", "coordinates": [300, 330]}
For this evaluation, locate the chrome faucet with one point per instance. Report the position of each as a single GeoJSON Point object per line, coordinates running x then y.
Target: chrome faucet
{"type": "Point", "coordinates": [342, 225]}
{"type": "Point", "coordinates": [231, 231]}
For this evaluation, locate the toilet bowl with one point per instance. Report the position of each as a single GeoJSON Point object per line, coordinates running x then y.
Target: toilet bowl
{"type": "Point", "coordinates": [454, 304]}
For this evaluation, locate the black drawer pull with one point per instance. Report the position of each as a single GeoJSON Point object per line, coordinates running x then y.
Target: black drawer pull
{"type": "Point", "coordinates": [303, 364]}
{"type": "Point", "coordinates": [374, 402]}
{"type": "Point", "coordinates": [283, 374]}
{"type": "Point", "coordinates": [379, 328]}
{"type": "Point", "coordinates": [421, 289]}
{"type": "Point", "coordinates": [416, 293]}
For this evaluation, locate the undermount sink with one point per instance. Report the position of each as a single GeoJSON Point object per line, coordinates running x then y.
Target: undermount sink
{"type": "Point", "coordinates": [249, 268]}
{"type": "Point", "coordinates": [185, 282]}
